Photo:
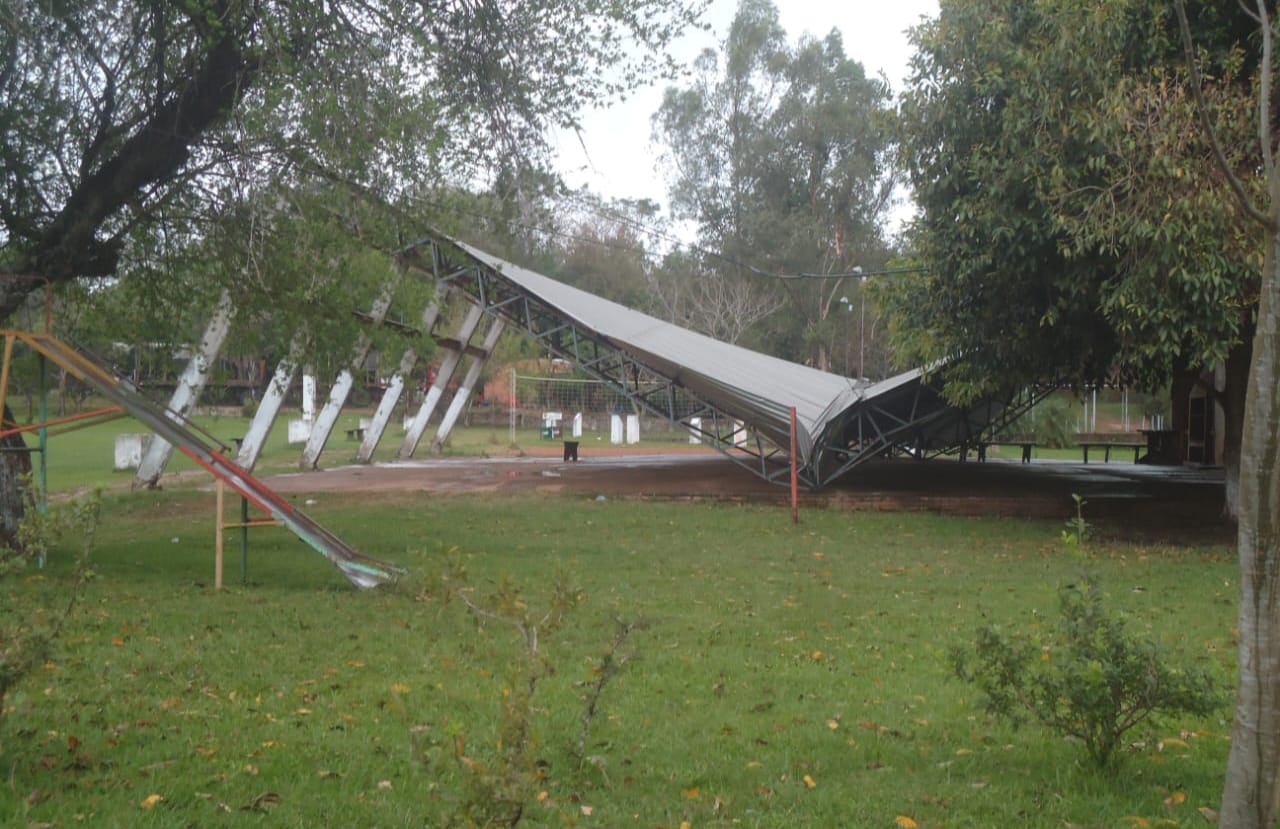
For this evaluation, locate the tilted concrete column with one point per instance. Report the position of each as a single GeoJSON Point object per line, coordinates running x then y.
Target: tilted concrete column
{"type": "Point", "coordinates": [463, 395]}
{"type": "Point", "coordinates": [328, 417]}
{"type": "Point", "coordinates": [187, 394]}
{"type": "Point", "coordinates": [269, 407]}
{"type": "Point", "coordinates": [386, 406]}
{"type": "Point", "coordinates": [448, 364]}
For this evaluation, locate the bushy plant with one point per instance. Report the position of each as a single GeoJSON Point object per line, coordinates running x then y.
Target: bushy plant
{"type": "Point", "coordinates": [1051, 423]}
{"type": "Point", "coordinates": [501, 782]}
{"type": "Point", "coordinates": [30, 620]}
{"type": "Point", "coordinates": [1095, 682]}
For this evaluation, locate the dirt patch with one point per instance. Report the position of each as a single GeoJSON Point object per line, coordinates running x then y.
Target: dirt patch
{"type": "Point", "coordinates": [1125, 500]}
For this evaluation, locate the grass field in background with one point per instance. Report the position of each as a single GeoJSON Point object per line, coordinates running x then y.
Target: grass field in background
{"type": "Point", "coordinates": [781, 676]}
{"type": "Point", "coordinates": [83, 458]}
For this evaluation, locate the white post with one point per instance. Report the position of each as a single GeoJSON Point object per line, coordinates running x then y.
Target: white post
{"type": "Point", "coordinates": [469, 381]}
{"type": "Point", "coordinates": [391, 395]}
{"type": "Point", "coordinates": [308, 395]}
{"type": "Point", "coordinates": [187, 394]}
{"type": "Point", "coordinates": [511, 405]}
{"type": "Point", "coordinates": [695, 430]}
{"type": "Point", "coordinates": [577, 425]}
{"type": "Point", "coordinates": [448, 365]}
{"type": "Point", "coordinates": [633, 428]}
{"type": "Point", "coordinates": [615, 429]}
{"type": "Point", "coordinates": [269, 406]}
{"type": "Point", "coordinates": [328, 417]}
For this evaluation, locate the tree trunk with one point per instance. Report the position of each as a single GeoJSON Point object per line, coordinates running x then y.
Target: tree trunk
{"type": "Point", "coordinates": [15, 466]}
{"type": "Point", "coordinates": [1251, 797]}
{"type": "Point", "coordinates": [1233, 409]}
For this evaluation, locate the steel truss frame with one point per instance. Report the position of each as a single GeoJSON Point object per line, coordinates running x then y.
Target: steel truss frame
{"type": "Point", "coordinates": [912, 418]}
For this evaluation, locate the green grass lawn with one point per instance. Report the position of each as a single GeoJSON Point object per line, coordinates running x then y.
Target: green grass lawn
{"type": "Point", "coordinates": [782, 676]}
{"type": "Point", "coordinates": [83, 458]}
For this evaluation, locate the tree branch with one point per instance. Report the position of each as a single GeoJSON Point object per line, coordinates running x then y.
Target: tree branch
{"type": "Point", "coordinates": [1237, 187]}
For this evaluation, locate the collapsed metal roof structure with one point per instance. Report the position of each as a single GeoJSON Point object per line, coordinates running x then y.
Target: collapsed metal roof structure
{"type": "Point", "coordinates": [738, 399]}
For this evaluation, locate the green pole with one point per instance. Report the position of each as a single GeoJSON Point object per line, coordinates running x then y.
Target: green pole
{"type": "Point", "coordinates": [244, 540]}
{"type": "Point", "coordinates": [43, 447]}
{"type": "Point", "coordinates": [44, 435]}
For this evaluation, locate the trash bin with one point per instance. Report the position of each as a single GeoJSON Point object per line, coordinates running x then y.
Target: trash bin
{"type": "Point", "coordinates": [571, 450]}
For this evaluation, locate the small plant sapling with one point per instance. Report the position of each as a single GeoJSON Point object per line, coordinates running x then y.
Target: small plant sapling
{"type": "Point", "coordinates": [31, 621]}
{"type": "Point", "coordinates": [1095, 682]}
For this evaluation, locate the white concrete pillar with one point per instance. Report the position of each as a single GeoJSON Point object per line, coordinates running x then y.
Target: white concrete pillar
{"type": "Point", "coordinates": [187, 394]}
{"type": "Point", "coordinates": [328, 416]}
{"type": "Point", "coordinates": [308, 396]}
{"type": "Point", "coordinates": [391, 395]}
{"type": "Point", "coordinates": [448, 365]}
{"type": "Point", "coordinates": [463, 395]}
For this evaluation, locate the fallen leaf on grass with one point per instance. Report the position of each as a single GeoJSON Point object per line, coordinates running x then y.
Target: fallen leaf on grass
{"type": "Point", "coordinates": [262, 803]}
{"type": "Point", "coordinates": [1208, 814]}
{"type": "Point", "coordinates": [810, 783]}
{"type": "Point", "coordinates": [692, 794]}
{"type": "Point", "coordinates": [400, 688]}
{"type": "Point", "coordinates": [149, 802]}
{"type": "Point", "coordinates": [326, 774]}
{"type": "Point", "coordinates": [1175, 799]}
{"type": "Point", "coordinates": [587, 810]}
{"type": "Point", "coordinates": [1136, 822]}
{"type": "Point", "coordinates": [904, 822]}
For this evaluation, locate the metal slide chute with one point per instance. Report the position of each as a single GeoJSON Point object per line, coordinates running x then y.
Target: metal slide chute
{"type": "Point", "coordinates": [360, 569]}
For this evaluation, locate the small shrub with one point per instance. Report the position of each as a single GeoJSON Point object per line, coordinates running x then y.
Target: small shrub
{"type": "Point", "coordinates": [501, 783]}
{"type": "Point", "coordinates": [30, 621]}
{"type": "Point", "coordinates": [1096, 682]}
{"type": "Point", "coordinates": [1051, 423]}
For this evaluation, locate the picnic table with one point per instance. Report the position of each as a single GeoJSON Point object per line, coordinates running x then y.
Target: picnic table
{"type": "Point", "coordinates": [1025, 445]}
{"type": "Point", "coordinates": [1106, 441]}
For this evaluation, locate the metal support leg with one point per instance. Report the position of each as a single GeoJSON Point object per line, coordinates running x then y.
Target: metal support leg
{"type": "Point", "coordinates": [448, 365]}
{"type": "Point", "coordinates": [391, 396]}
{"type": "Point", "coordinates": [328, 417]}
{"type": "Point", "coordinates": [463, 395]}
{"type": "Point", "coordinates": [187, 394]}
{"type": "Point", "coordinates": [255, 439]}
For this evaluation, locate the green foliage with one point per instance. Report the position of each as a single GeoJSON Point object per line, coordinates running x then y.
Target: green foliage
{"type": "Point", "coordinates": [783, 665]}
{"type": "Point", "coordinates": [32, 618]}
{"type": "Point", "coordinates": [1073, 226]}
{"type": "Point", "coordinates": [502, 780]}
{"type": "Point", "coordinates": [1094, 682]}
{"type": "Point", "coordinates": [781, 155]}
{"type": "Point", "coordinates": [1051, 423]}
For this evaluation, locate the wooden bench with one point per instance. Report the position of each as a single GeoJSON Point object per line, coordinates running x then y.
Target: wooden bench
{"type": "Point", "coordinates": [1026, 445]}
{"type": "Point", "coordinates": [356, 433]}
{"type": "Point", "coordinates": [1121, 441]}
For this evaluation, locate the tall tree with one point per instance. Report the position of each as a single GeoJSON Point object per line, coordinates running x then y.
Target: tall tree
{"type": "Point", "coordinates": [124, 118]}
{"type": "Point", "coordinates": [1251, 796]}
{"type": "Point", "coordinates": [780, 155]}
{"type": "Point", "coordinates": [1071, 228]}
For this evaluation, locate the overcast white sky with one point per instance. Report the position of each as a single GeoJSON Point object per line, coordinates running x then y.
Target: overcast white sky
{"type": "Point", "coordinates": [619, 161]}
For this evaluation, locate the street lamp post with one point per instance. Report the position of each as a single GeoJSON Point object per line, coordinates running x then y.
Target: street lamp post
{"type": "Point", "coordinates": [862, 324]}
{"type": "Point", "coordinates": [862, 320]}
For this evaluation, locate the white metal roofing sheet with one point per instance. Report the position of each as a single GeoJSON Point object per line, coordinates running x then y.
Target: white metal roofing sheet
{"type": "Point", "coordinates": [758, 388]}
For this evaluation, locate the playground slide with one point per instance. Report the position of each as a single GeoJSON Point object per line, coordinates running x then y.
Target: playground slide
{"type": "Point", "coordinates": [361, 570]}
